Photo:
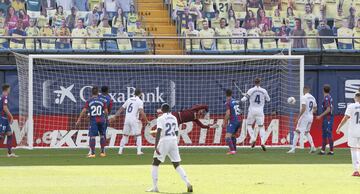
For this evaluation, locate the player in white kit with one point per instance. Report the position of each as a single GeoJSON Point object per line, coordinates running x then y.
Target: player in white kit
{"type": "Point", "coordinates": [166, 144]}
{"type": "Point", "coordinates": [257, 97]}
{"type": "Point", "coordinates": [352, 114]}
{"type": "Point", "coordinates": [133, 107]}
{"type": "Point", "coordinates": [305, 119]}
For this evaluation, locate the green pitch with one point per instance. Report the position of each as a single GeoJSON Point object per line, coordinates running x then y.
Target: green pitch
{"type": "Point", "coordinates": [209, 170]}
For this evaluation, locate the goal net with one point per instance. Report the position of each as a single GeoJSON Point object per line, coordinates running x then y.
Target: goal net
{"type": "Point", "coordinates": [54, 88]}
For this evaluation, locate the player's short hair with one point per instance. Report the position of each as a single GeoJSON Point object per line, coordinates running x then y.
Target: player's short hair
{"type": "Point", "coordinates": [228, 92]}
{"type": "Point", "coordinates": [165, 108]}
{"type": "Point", "coordinates": [357, 95]}
{"type": "Point", "coordinates": [104, 89]}
{"type": "Point", "coordinates": [95, 90]}
{"type": "Point", "coordinates": [327, 88]}
{"type": "Point", "coordinates": [5, 87]}
{"type": "Point", "coordinates": [257, 81]}
{"type": "Point", "coordinates": [307, 88]}
{"type": "Point", "coordinates": [137, 92]}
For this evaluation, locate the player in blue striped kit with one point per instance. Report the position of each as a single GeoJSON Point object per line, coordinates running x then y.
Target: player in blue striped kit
{"type": "Point", "coordinates": [231, 121]}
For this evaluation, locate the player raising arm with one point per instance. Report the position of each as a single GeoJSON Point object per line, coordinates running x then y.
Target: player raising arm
{"type": "Point", "coordinates": [352, 114]}
{"type": "Point", "coordinates": [6, 119]}
{"type": "Point", "coordinates": [231, 121]}
{"type": "Point", "coordinates": [257, 97]}
{"type": "Point", "coordinates": [134, 107]}
{"type": "Point", "coordinates": [166, 145]}
{"type": "Point", "coordinates": [98, 114]}
{"type": "Point", "coordinates": [305, 119]}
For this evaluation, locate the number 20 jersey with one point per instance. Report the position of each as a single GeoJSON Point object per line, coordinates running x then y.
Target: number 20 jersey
{"type": "Point", "coordinates": [96, 107]}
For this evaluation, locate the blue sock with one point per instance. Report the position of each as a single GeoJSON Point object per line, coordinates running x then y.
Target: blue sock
{"type": "Point", "coordinates": [102, 143]}
{"type": "Point", "coordinates": [230, 143]}
{"type": "Point", "coordinates": [234, 142]}
{"type": "Point", "coordinates": [92, 145]}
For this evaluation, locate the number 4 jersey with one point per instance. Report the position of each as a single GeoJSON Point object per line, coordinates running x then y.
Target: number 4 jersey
{"type": "Point", "coordinates": [168, 125]}
{"type": "Point", "coordinates": [96, 108]}
{"type": "Point", "coordinates": [353, 111]}
{"type": "Point", "coordinates": [257, 97]}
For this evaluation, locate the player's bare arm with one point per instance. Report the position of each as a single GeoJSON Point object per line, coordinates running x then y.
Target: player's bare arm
{"type": "Point", "coordinates": [117, 114]}
{"type": "Point", "coordinates": [342, 123]}
{"type": "Point", "coordinates": [7, 111]}
{"type": "Point", "coordinates": [157, 139]}
{"type": "Point", "coordinates": [226, 118]}
{"type": "Point", "coordinates": [327, 111]}
{"type": "Point", "coordinates": [143, 116]}
{"type": "Point", "coordinates": [82, 114]}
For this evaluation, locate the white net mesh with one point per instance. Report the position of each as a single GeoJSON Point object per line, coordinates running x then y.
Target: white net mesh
{"type": "Point", "coordinates": [61, 84]}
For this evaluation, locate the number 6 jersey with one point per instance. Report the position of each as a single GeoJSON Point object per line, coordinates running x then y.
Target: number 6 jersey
{"type": "Point", "coordinates": [132, 106]}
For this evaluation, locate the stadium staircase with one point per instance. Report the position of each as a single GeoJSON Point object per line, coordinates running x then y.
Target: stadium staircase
{"type": "Point", "coordinates": [155, 17]}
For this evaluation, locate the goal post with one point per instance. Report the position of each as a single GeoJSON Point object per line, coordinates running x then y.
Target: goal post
{"type": "Point", "coordinates": [53, 89]}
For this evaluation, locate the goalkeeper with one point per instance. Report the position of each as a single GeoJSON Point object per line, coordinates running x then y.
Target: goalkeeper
{"type": "Point", "coordinates": [192, 114]}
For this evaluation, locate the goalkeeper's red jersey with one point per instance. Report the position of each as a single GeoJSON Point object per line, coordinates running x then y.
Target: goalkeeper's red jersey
{"type": "Point", "coordinates": [188, 115]}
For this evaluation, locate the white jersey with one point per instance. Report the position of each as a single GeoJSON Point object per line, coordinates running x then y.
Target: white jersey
{"type": "Point", "coordinates": [132, 107]}
{"type": "Point", "coordinates": [353, 111]}
{"type": "Point", "coordinates": [257, 96]}
{"type": "Point", "coordinates": [310, 103]}
{"type": "Point", "coordinates": [168, 125]}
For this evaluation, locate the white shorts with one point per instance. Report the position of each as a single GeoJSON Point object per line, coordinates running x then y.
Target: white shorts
{"type": "Point", "coordinates": [168, 148]}
{"type": "Point", "coordinates": [304, 124]}
{"type": "Point", "coordinates": [132, 127]}
{"type": "Point", "coordinates": [255, 116]}
{"type": "Point", "coordinates": [354, 142]}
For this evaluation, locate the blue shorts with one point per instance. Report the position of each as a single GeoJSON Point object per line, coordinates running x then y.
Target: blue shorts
{"type": "Point", "coordinates": [4, 125]}
{"type": "Point", "coordinates": [97, 129]}
{"type": "Point", "coordinates": [327, 127]}
{"type": "Point", "coordinates": [233, 127]}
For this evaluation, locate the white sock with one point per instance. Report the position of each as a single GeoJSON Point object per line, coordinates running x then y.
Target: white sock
{"type": "Point", "coordinates": [182, 174]}
{"type": "Point", "coordinates": [251, 133]}
{"type": "Point", "coordinates": [123, 142]}
{"type": "Point", "coordinates": [310, 139]}
{"type": "Point", "coordinates": [295, 140]}
{"type": "Point", "coordinates": [354, 158]}
{"type": "Point", "coordinates": [154, 174]}
{"type": "Point", "coordinates": [262, 135]}
{"type": "Point", "coordinates": [138, 143]}
{"type": "Point", "coordinates": [358, 157]}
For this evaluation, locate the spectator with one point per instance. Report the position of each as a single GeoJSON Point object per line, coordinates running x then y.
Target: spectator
{"type": "Point", "coordinates": [344, 31]}
{"type": "Point", "coordinates": [110, 8]}
{"type": "Point", "coordinates": [4, 5]}
{"type": "Point", "coordinates": [79, 31]}
{"type": "Point", "coordinates": [3, 31]}
{"type": "Point", "coordinates": [42, 19]}
{"type": "Point", "coordinates": [33, 8]}
{"type": "Point", "coordinates": [351, 18]}
{"type": "Point", "coordinates": [356, 33]}
{"type": "Point", "coordinates": [93, 31]}
{"type": "Point", "coordinates": [66, 4]}
{"type": "Point", "coordinates": [49, 6]}
{"type": "Point", "coordinates": [185, 18]}
{"type": "Point", "coordinates": [239, 7]}
{"type": "Point", "coordinates": [131, 20]}
{"type": "Point", "coordinates": [11, 19]}
{"type": "Point", "coordinates": [290, 17]}
{"type": "Point", "coordinates": [18, 4]}
{"type": "Point", "coordinates": [268, 43]}
{"type": "Point", "coordinates": [199, 21]}
{"type": "Point", "coordinates": [180, 5]}
{"type": "Point", "coordinates": [324, 30]}
{"type": "Point", "coordinates": [223, 31]}
{"type": "Point", "coordinates": [105, 29]}
{"type": "Point", "coordinates": [71, 19]}
{"type": "Point", "coordinates": [215, 22]}
{"type": "Point", "coordinates": [17, 32]}
{"type": "Point", "coordinates": [310, 31]}
{"type": "Point", "coordinates": [231, 19]}
{"type": "Point", "coordinates": [308, 15]}
{"type": "Point", "coordinates": [63, 30]}
{"type": "Point", "coordinates": [317, 9]}
{"type": "Point", "coordinates": [139, 31]}
{"type": "Point", "coordinates": [25, 18]}
{"type": "Point", "coordinates": [238, 31]}
{"type": "Point", "coordinates": [253, 31]}
{"type": "Point", "coordinates": [330, 7]}
{"type": "Point", "coordinates": [191, 32]}
{"type": "Point", "coordinates": [277, 21]}
{"type": "Point", "coordinates": [262, 19]}
{"type": "Point", "coordinates": [195, 7]}
{"type": "Point", "coordinates": [82, 7]}
{"type": "Point", "coordinates": [47, 31]}
{"type": "Point", "coordinates": [32, 30]}
{"type": "Point", "coordinates": [58, 17]}
{"type": "Point", "coordinates": [298, 31]}
{"type": "Point", "coordinates": [254, 5]}
{"type": "Point", "coordinates": [208, 6]}
{"type": "Point", "coordinates": [123, 44]}
{"type": "Point", "coordinates": [118, 21]}
{"type": "Point", "coordinates": [93, 15]}
{"type": "Point", "coordinates": [98, 3]}
{"type": "Point", "coordinates": [283, 34]}
{"type": "Point", "coordinates": [206, 32]}
{"type": "Point", "coordinates": [338, 21]}
{"type": "Point", "coordinates": [124, 4]}
{"type": "Point", "coordinates": [249, 15]}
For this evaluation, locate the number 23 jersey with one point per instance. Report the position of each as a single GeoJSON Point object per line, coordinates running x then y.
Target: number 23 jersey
{"type": "Point", "coordinates": [168, 125]}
